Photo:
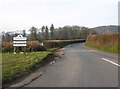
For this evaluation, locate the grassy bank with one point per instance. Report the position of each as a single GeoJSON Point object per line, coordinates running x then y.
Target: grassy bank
{"type": "Point", "coordinates": [17, 65]}
{"type": "Point", "coordinates": [107, 49]}
{"type": "Point", "coordinates": [106, 42]}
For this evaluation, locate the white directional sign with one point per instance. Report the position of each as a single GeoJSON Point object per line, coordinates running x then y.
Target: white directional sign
{"type": "Point", "coordinates": [19, 41]}
{"type": "Point", "coordinates": [19, 45]}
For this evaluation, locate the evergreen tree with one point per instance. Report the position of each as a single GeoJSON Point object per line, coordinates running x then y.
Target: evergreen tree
{"type": "Point", "coordinates": [46, 33]}
{"type": "Point", "coordinates": [24, 33]}
{"type": "Point", "coordinates": [52, 31]}
{"type": "Point", "coordinates": [8, 37]}
{"type": "Point", "coordinates": [43, 28]}
{"type": "Point", "coordinates": [33, 34]}
{"type": "Point", "coordinates": [42, 35]}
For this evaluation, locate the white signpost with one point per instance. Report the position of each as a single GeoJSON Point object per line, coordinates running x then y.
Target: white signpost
{"type": "Point", "coordinates": [19, 41]}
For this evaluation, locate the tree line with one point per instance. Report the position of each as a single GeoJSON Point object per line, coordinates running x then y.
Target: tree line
{"type": "Point", "coordinates": [51, 33]}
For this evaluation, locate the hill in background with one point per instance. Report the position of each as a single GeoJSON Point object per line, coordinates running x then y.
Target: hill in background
{"type": "Point", "coordinates": [106, 29]}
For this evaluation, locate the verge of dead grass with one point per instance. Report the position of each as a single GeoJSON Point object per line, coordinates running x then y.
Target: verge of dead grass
{"type": "Point", "coordinates": [106, 42]}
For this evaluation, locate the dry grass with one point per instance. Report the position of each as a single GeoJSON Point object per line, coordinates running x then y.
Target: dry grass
{"type": "Point", "coordinates": [110, 40]}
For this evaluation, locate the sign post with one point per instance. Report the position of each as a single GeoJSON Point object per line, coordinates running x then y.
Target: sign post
{"type": "Point", "coordinates": [19, 41]}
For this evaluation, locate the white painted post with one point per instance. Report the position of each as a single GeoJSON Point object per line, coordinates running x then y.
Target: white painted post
{"type": "Point", "coordinates": [42, 44]}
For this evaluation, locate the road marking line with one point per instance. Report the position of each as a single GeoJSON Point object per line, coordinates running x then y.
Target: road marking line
{"type": "Point", "coordinates": [111, 62]}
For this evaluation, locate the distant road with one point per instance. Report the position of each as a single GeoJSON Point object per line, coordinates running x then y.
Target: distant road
{"type": "Point", "coordinates": [80, 66]}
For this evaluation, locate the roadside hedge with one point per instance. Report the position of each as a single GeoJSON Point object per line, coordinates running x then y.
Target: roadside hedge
{"type": "Point", "coordinates": [37, 46]}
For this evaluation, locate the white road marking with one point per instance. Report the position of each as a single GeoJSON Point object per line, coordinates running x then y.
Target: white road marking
{"type": "Point", "coordinates": [111, 62]}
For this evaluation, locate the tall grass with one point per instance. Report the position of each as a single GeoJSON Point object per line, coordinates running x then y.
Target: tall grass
{"type": "Point", "coordinates": [106, 42]}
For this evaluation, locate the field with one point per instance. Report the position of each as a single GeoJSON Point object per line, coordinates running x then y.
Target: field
{"type": "Point", "coordinates": [17, 65]}
{"type": "Point", "coordinates": [105, 42]}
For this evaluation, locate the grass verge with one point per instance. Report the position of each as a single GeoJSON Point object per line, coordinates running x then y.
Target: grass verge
{"type": "Point", "coordinates": [52, 49]}
{"type": "Point", "coordinates": [17, 65]}
{"type": "Point", "coordinates": [110, 49]}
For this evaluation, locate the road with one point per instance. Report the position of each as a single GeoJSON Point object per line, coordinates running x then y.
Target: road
{"type": "Point", "coordinates": [80, 66]}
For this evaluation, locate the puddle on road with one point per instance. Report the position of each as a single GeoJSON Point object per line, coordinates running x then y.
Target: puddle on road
{"type": "Point", "coordinates": [58, 58]}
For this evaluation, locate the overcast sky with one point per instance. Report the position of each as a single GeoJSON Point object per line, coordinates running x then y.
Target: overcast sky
{"type": "Point", "coordinates": [22, 14]}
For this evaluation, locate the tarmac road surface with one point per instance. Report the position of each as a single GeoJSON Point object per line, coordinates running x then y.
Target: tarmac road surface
{"type": "Point", "coordinates": [80, 66]}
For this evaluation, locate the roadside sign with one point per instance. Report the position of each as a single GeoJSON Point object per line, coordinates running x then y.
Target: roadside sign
{"type": "Point", "coordinates": [19, 41]}
{"type": "Point", "coordinates": [19, 45]}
